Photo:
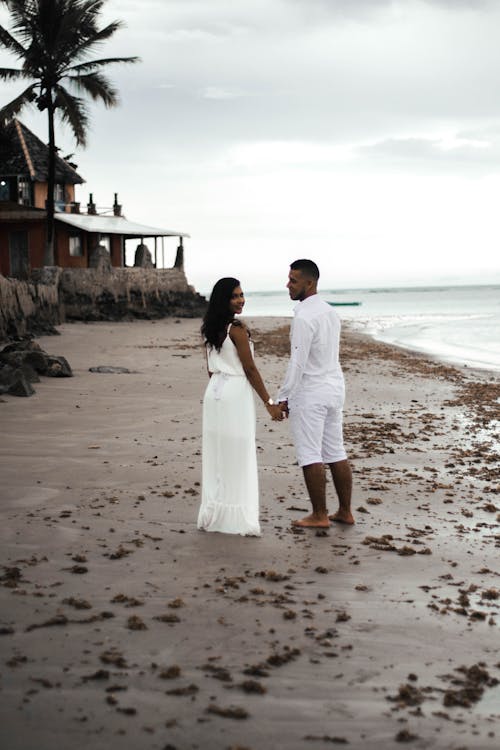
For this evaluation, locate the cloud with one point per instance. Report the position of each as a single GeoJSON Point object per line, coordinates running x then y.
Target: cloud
{"type": "Point", "coordinates": [214, 92]}
{"type": "Point", "coordinates": [452, 152]}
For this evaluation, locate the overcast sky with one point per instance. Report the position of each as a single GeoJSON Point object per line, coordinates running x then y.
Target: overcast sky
{"type": "Point", "coordinates": [364, 134]}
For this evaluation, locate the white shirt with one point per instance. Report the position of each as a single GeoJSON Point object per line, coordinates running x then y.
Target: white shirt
{"type": "Point", "coordinates": [314, 370]}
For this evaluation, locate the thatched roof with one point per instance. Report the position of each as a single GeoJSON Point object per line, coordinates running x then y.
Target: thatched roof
{"type": "Point", "coordinates": [22, 153]}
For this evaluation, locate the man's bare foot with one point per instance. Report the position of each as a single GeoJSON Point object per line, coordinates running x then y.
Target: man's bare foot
{"type": "Point", "coordinates": [313, 522]}
{"type": "Point", "coordinates": [343, 516]}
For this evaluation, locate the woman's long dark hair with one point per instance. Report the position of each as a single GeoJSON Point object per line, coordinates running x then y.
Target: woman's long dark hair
{"type": "Point", "coordinates": [218, 314]}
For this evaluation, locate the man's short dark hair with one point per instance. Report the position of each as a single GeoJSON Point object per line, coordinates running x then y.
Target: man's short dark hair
{"type": "Point", "coordinates": [307, 267]}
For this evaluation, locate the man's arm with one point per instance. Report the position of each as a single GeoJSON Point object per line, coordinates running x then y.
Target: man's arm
{"type": "Point", "coordinates": [300, 346]}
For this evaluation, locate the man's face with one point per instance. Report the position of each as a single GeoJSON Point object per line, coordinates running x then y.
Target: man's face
{"type": "Point", "coordinates": [298, 285]}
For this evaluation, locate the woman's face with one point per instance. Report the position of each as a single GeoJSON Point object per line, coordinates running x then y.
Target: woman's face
{"type": "Point", "coordinates": [237, 301]}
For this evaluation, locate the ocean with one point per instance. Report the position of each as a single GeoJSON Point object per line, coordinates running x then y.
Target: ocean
{"type": "Point", "coordinates": [457, 324]}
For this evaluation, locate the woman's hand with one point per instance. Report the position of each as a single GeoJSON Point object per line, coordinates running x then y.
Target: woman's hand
{"type": "Point", "coordinates": [275, 411]}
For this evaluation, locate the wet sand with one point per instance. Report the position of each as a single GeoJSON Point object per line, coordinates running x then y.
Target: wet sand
{"type": "Point", "coordinates": [122, 626]}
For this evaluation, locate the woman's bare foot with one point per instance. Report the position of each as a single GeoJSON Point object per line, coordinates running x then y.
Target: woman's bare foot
{"type": "Point", "coordinates": [313, 521]}
{"type": "Point", "coordinates": [343, 516]}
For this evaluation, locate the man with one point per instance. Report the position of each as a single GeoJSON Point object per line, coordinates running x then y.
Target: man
{"type": "Point", "coordinates": [313, 395]}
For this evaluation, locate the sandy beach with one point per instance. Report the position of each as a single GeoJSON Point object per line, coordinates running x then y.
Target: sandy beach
{"type": "Point", "coordinates": [123, 626]}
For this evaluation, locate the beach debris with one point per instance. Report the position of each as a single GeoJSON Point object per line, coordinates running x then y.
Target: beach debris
{"type": "Point", "coordinates": [176, 603]}
{"type": "Point", "coordinates": [135, 623]}
{"type": "Point", "coordinates": [409, 695]}
{"type": "Point", "coordinates": [115, 657]}
{"type": "Point", "coordinates": [191, 689]}
{"type": "Point", "coordinates": [169, 618]}
{"type": "Point", "coordinates": [78, 569]}
{"type": "Point", "coordinates": [11, 577]}
{"type": "Point", "coordinates": [469, 687]}
{"type": "Point", "coordinates": [100, 674]}
{"type": "Point", "coordinates": [53, 621]}
{"type": "Point", "coordinates": [17, 660]}
{"type": "Point", "coordinates": [120, 552]}
{"type": "Point", "coordinates": [272, 575]}
{"type": "Point", "coordinates": [61, 619]}
{"type": "Point", "coordinates": [385, 544]}
{"type": "Point", "coordinates": [170, 673]}
{"type": "Point", "coordinates": [218, 673]}
{"type": "Point", "coordinates": [404, 735]}
{"type": "Point", "coordinates": [228, 712]}
{"type": "Point", "coordinates": [77, 603]}
{"type": "Point", "coordinates": [128, 601]}
{"type": "Point", "coordinates": [326, 738]}
{"type": "Point", "coordinates": [127, 710]}
{"type": "Point", "coordinates": [252, 686]}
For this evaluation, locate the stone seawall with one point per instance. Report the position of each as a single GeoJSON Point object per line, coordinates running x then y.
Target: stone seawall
{"type": "Point", "coordinates": [54, 295]}
{"type": "Point", "coordinates": [92, 294]}
{"type": "Point", "coordinates": [28, 307]}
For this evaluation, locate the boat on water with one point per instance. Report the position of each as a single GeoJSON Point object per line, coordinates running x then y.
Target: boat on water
{"type": "Point", "coordinates": [344, 304]}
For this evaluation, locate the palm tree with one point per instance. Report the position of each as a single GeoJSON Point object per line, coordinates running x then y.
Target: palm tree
{"type": "Point", "coordinates": [54, 40]}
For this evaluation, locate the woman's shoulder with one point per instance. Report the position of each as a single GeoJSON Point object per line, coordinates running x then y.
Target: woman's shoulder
{"type": "Point", "coordinates": [240, 327]}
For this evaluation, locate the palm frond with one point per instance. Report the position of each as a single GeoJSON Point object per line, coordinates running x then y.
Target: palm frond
{"type": "Point", "coordinates": [73, 111]}
{"type": "Point", "coordinates": [13, 108]}
{"type": "Point", "coordinates": [91, 65]}
{"type": "Point", "coordinates": [97, 86]}
{"type": "Point", "coordinates": [11, 43]}
{"type": "Point", "coordinates": [90, 41]}
{"type": "Point", "coordinates": [10, 74]}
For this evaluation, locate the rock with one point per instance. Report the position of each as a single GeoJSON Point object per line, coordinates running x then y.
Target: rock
{"type": "Point", "coordinates": [20, 386]}
{"type": "Point", "coordinates": [58, 367]}
{"type": "Point", "coordinates": [110, 369]}
{"type": "Point", "coordinates": [16, 380]}
{"type": "Point", "coordinates": [100, 259]}
{"type": "Point", "coordinates": [21, 344]}
{"type": "Point", "coordinates": [143, 257]}
{"type": "Point", "coordinates": [38, 360]}
{"type": "Point", "coordinates": [29, 373]}
{"type": "Point", "coordinates": [24, 352]}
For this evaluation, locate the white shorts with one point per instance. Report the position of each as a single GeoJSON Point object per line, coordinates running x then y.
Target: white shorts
{"type": "Point", "coordinates": [317, 433]}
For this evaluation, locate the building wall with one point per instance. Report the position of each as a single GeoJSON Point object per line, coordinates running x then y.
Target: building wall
{"type": "Point", "coordinates": [40, 194]}
{"type": "Point", "coordinates": [61, 252]}
{"type": "Point", "coordinates": [117, 250]}
{"type": "Point", "coordinates": [36, 240]}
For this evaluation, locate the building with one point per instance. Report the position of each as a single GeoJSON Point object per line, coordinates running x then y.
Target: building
{"type": "Point", "coordinates": [23, 192]}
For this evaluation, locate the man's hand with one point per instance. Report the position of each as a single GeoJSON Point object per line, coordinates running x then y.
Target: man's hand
{"type": "Point", "coordinates": [283, 405]}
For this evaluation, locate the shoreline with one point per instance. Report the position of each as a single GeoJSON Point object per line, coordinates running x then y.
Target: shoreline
{"type": "Point", "coordinates": [123, 626]}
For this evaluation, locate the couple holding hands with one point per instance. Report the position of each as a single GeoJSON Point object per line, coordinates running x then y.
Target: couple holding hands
{"type": "Point", "coordinates": [312, 396]}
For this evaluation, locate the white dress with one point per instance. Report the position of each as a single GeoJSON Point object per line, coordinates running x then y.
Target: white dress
{"type": "Point", "coordinates": [230, 490]}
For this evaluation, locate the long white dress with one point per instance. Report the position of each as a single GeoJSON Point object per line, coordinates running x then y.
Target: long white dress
{"type": "Point", "coordinates": [230, 489]}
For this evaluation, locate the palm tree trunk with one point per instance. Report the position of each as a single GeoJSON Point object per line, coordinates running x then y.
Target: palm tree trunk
{"type": "Point", "coordinates": [51, 179]}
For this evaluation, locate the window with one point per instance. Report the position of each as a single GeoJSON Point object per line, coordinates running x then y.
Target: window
{"type": "Point", "coordinates": [75, 245]}
{"type": "Point", "coordinates": [59, 198]}
{"type": "Point", "coordinates": [24, 189]}
{"type": "Point", "coordinates": [4, 190]}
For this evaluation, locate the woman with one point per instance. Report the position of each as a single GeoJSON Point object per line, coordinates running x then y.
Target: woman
{"type": "Point", "coordinates": [230, 492]}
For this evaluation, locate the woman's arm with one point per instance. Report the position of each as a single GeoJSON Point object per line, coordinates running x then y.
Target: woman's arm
{"type": "Point", "coordinates": [206, 358]}
{"type": "Point", "coordinates": [239, 337]}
